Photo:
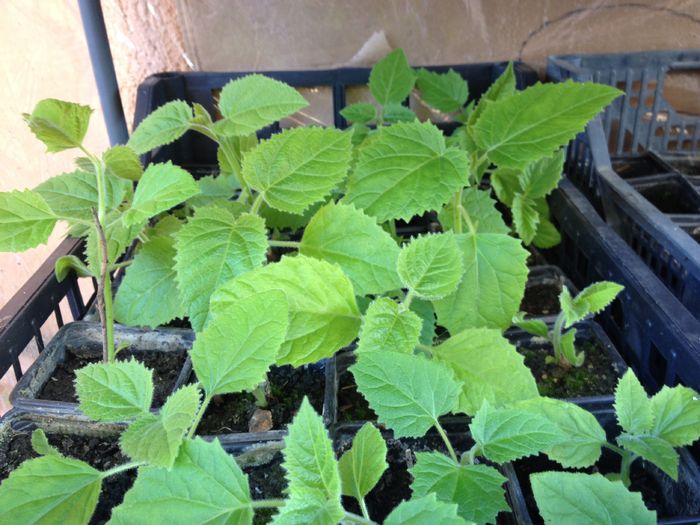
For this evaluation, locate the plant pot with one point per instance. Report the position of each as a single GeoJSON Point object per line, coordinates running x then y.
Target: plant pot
{"type": "Point", "coordinates": [394, 485]}
{"type": "Point", "coordinates": [676, 502]}
{"type": "Point", "coordinates": [48, 384]}
{"type": "Point", "coordinates": [544, 284]}
{"type": "Point", "coordinates": [95, 443]}
{"type": "Point", "coordinates": [671, 193]}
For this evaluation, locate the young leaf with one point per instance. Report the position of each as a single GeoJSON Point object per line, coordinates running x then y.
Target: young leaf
{"type": "Point", "coordinates": [359, 113]}
{"type": "Point", "coordinates": [255, 101]}
{"type": "Point", "coordinates": [407, 392]}
{"type": "Point", "coordinates": [119, 237]}
{"type": "Point", "coordinates": [535, 122]}
{"type": "Point", "coordinates": [148, 295]}
{"type": "Point", "coordinates": [493, 285]}
{"type": "Point", "coordinates": [41, 445]}
{"type": "Point", "coordinates": [161, 187]}
{"type": "Point", "coordinates": [241, 342]}
{"type": "Point", "coordinates": [395, 112]}
{"type": "Point", "coordinates": [592, 300]}
{"type": "Point", "coordinates": [213, 248]}
{"type": "Point", "coordinates": [476, 489]}
{"type": "Point", "coordinates": [588, 499]}
{"type": "Point", "coordinates": [323, 314]}
{"type": "Point", "coordinates": [480, 207]}
{"type": "Point", "coordinates": [204, 486]}
{"type": "Point", "coordinates": [532, 326]}
{"type": "Point", "coordinates": [425, 310]}
{"type": "Point", "coordinates": [431, 265]}
{"type": "Point", "coordinates": [405, 171]}
{"type": "Point", "coordinates": [311, 471]}
{"type": "Point", "coordinates": [676, 415]}
{"type": "Point", "coordinates": [50, 489]}
{"type": "Point", "coordinates": [547, 235]}
{"type": "Point", "coordinates": [70, 263]}
{"type": "Point", "coordinates": [26, 220]}
{"type": "Point", "coordinates": [632, 405]}
{"type": "Point", "coordinates": [391, 79]}
{"type": "Point", "coordinates": [123, 162]}
{"type": "Point", "coordinates": [567, 344]}
{"type": "Point", "coordinates": [446, 92]}
{"type": "Point", "coordinates": [363, 465]}
{"type": "Point", "coordinates": [341, 234]}
{"type": "Point", "coordinates": [573, 312]}
{"type": "Point", "coordinates": [489, 368]}
{"type": "Point", "coordinates": [59, 125]}
{"type": "Point", "coordinates": [112, 392]}
{"type": "Point", "coordinates": [419, 511]}
{"type": "Point", "coordinates": [165, 125]}
{"type": "Point", "coordinates": [525, 218]}
{"type": "Point", "coordinates": [502, 88]}
{"type": "Point", "coordinates": [540, 178]}
{"type": "Point", "coordinates": [298, 167]}
{"type": "Point", "coordinates": [215, 189]}
{"type": "Point", "coordinates": [653, 449]}
{"type": "Point", "coordinates": [506, 183]}
{"type": "Point", "coordinates": [387, 327]}
{"type": "Point", "coordinates": [507, 434]}
{"type": "Point", "coordinates": [157, 439]}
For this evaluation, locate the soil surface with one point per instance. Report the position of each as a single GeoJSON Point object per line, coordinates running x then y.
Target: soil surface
{"type": "Point", "coordinates": [597, 376]}
{"type": "Point", "coordinates": [101, 453]}
{"type": "Point", "coordinates": [230, 413]}
{"type": "Point", "coordinates": [352, 406]}
{"type": "Point", "coordinates": [166, 368]}
{"type": "Point", "coordinates": [541, 299]}
{"type": "Point", "coordinates": [266, 482]}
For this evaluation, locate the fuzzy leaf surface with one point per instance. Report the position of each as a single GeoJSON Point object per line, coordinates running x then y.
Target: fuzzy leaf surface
{"type": "Point", "coordinates": [26, 220]}
{"type": "Point", "coordinates": [359, 113]}
{"type": "Point", "coordinates": [386, 327]}
{"type": "Point", "coordinates": [165, 125]}
{"type": "Point", "coordinates": [41, 445]}
{"type": "Point", "coordinates": [58, 124]}
{"type": "Point", "coordinates": [502, 88]}
{"type": "Point", "coordinates": [540, 178]}
{"type": "Point", "coordinates": [591, 300]}
{"type": "Point", "coordinates": [676, 415]}
{"type": "Point", "coordinates": [446, 92]}
{"type": "Point", "coordinates": [365, 462]}
{"type": "Point", "coordinates": [654, 449]}
{"type": "Point", "coordinates": [123, 162]}
{"type": "Point", "coordinates": [391, 79]}
{"type": "Point", "coordinates": [633, 407]}
{"type": "Point", "coordinates": [525, 217]}
{"type": "Point", "coordinates": [431, 265]}
{"type": "Point", "coordinates": [419, 511]}
{"type": "Point", "coordinates": [480, 207]}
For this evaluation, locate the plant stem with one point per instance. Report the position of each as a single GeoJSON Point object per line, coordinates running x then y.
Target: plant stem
{"type": "Point", "coordinates": [467, 219]}
{"type": "Point", "coordinates": [363, 508]}
{"type": "Point", "coordinates": [627, 459]}
{"type": "Point", "coordinates": [284, 244]}
{"type": "Point", "coordinates": [615, 448]}
{"type": "Point", "coordinates": [122, 264]}
{"type": "Point", "coordinates": [104, 294]}
{"type": "Point", "coordinates": [456, 211]}
{"type": "Point", "coordinates": [267, 503]}
{"type": "Point", "coordinates": [406, 303]}
{"type": "Point", "coordinates": [121, 468]}
{"type": "Point", "coordinates": [556, 337]}
{"type": "Point", "coordinates": [255, 207]}
{"type": "Point", "coordinates": [199, 415]}
{"type": "Point", "coordinates": [233, 161]}
{"type": "Point", "coordinates": [359, 520]}
{"type": "Point", "coordinates": [427, 350]}
{"type": "Point", "coordinates": [260, 395]}
{"type": "Point", "coordinates": [444, 437]}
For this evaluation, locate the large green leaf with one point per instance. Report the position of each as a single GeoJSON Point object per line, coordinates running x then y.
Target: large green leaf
{"type": "Point", "coordinates": [431, 265]}
{"type": "Point", "coordinates": [420, 511]}
{"type": "Point", "coordinates": [204, 487]}
{"type": "Point", "coordinates": [525, 217]}
{"type": "Point", "coordinates": [408, 392]}
{"type": "Point", "coordinates": [405, 171]}
{"type": "Point", "coordinates": [50, 489]}
{"type": "Point", "coordinates": [59, 125]}
{"type": "Point", "coordinates": [502, 88]}
{"type": "Point", "coordinates": [676, 415]}
{"type": "Point", "coordinates": [535, 122]}
{"type": "Point", "coordinates": [240, 342]}
{"type": "Point", "coordinates": [114, 391]}
{"type": "Point", "coordinates": [255, 101]}
{"type": "Point", "coordinates": [476, 489]}
{"type": "Point", "coordinates": [215, 189]}
{"type": "Point", "coordinates": [654, 449]}
{"type": "Point", "coordinates": [493, 284]}
{"type": "Point", "coordinates": [481, 209]}
{"type": "Point", "coordinates": [632, 405]}
{"type": "Point", "coordinates": [148, 295]}
{"type": "Point", "coordinates": [298, 167]}
{"type": "Point", "coordinates": [341, 234]}
{"type": "Point", "coordinates": [359, 113]}
{"type": "Point", "coordinates": [161, 187]}
{"type": "Point", "coordinates": [26, 220]}
{"type": "Point", "coordinates": [323, 314]}
{"type": "Point", "coordinates": [391, 79]}
{"type": "Point", "coordinates": [389, 327]}
{"type": "Point", "coordinates": [587, 499]}
{"type": "Point", "coordinates": [365, 462]}
{"type": "Point", "coordinates": [444, 91]}
{"type": "Point", "coordinates": [212, 248]}
{"type": "Point", "coordinates": [165, 125]}
{"type": "Point", "coordinates": [123, 162]}
{"type": "Point", "coordinates": [489, 368]}
{"type": "Point", "coordinates": [540, 178]}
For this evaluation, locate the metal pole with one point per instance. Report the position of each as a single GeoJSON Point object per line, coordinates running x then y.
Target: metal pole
{"type": "Point", "coordinates": [103, 68]}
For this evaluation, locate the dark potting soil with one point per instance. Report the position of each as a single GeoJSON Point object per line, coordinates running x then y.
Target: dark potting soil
{"type": "Point", "coordinates": [669, 197]}
{"type": "Point", "coordinates": [266, 481]}
{"type": "Point", "coordinates": [597, 376]}
{"type": "Point", "coordinates": [352, 406]}
{"type": "Point", "coordinates": [102, 453]}
{"type": "Point", "coordinates": [541, 299]}
{"type": "Point", "coordinates": [166, 368]}
{"type": "Point", "coordinates": [231, 413]}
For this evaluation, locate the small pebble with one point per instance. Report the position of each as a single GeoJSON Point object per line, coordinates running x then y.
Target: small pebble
{"type": "Point", "coordinates": [260, 421]}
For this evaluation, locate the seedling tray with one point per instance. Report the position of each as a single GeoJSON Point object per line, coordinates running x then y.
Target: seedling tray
{"type": "Point", "coordinates": [544, 284]}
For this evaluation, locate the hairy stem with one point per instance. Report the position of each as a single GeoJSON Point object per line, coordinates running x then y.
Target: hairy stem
{"type": "Point", "coordinates": [627, 459]}
{"type": "Point", "coordinates": [121, 468]}
{"type": "Point", "coordinates": [359, 520]}
{"type": "Point", "coordinates": [255, 207]}
{"type": "Point", "coordinates": [363, 508]}
{"type": "Point", "coordinates": [427, 350]}
{"type": "Point", "coordinates": [260, 395]}
{"type": "Point", "coordinates": [444, 437]}
{"type": "Point", "coordinates": [456, 211]}
{"type": "Point", "coordinates": [199, 415]}
{"type": "Point", "coordinates": [104, 294]}
{"type": "Point", "coordinates": [467, 219]}
{"type": "Point", "coordinates": [284, 244]}
{"type": "Point", "coordinates": [556, 337]}
{"type": "Point", "coordinates": [406, 303]}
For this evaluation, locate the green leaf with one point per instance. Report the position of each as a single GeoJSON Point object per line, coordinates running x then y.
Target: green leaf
{"type": "Point", "coordinates": [205, 486]}
{"type": "Point", "coordinates": [446, 92]}
{"type": "Point", "coordinates": [426, 312]}
{"type": "Point", "coordinates": [419, 511]}
{"type": "Point", "coordinates": [395, 112]}
{"type": "Point", "coordinates": [59, 125]}
{"type": "Point", "coordinates": [405, 171]}
{"type": "Point", "coordinates": [240, 343]}
{"type": "Point", "coordinates": [507, 434]}
{"type": "Point", "coordinates": [50, 489]}
{"type": "Point", "coordinates": [119, 237]}
{"type": "Point", "coordinates": [114, 392]}
{"type": "Point", "coordinates": [632, 405]}
{"type": "Point", "coordinates": [311, 471]}
{"type": "Point", "coordinates": [480, 207]}
{"type": "Point", "coordinates": [584, 435]}
{"type": "Point", "coordinates": [123, 162]}
{"type": "Point", "coordinates": [157, 439]}
{"type": "Point", "coordinates": [391, 79]}
{"type": "Point", "coordinates": [592, 299]}
{"type": "Point", "coordinates": [676, 415]}
{"type": "Point", "coordinates": [213, 248]}
{"type": "Point", "coordinates": [547, 235]}
{"type": "Point", "coordinates": [388, 327]}
{"type": "Point", "coordinates": [363, 465]}
{"type": "Point", "coordinates": [359, 113]}
{"type": "Point", "coordinates": [502, 88]}
{"type": "Point", "coordinates": [567, 343]}
{"type": "Point", "coordinates": [653, 449]}
{"type": "Point", "coordinates": [506, 183]}
{"type": "Point", "coordinates": [540, 178]}
{"type": "Point", "coordinates": [165, 125]}
{"type": "Point", "coordinates": [489, 367]}
{"type": "Point", "coordinates": [148, 295]}
{"type": "Point", "coordinates": [341, 234]}
{"type": "Point", "coordinates": [255, 101]}
{"type": "Point", "coordinates": [161, 187]}
{"type": "Point", "coordinates": [26, 220]}
{"type": "Point", "coordinates": [298, 167]}
{"type": "Point", "coordinates": [532, 326]}
{"type": "Point", "coordinates": [213, 189]}
{"type": "Point", "coordinates": [408, 392]}
{"type": "Point", "coordinates": [70, 263]}
{"type": "Point", "coordinates": [493, 284]}
{"type": "Point", "coordinates": [525, 218]}
{"type": "Point", "coordinates": [588, 499]}
{"type": "Point", "coordinates": [533, 123]}
{"type": "Point", "coordinates": [573, 312]}
{"type": "Point", "coordinates": [41, 445]}
{"type": "Point", "coordinates": [323, 314]}
{"type": "Point", "coordinates": [476, 489]}
{"type": "Point", "coordinates": [431, 265]}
